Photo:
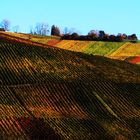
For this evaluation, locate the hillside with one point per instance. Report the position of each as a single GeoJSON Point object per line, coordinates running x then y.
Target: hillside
{"type": "Point", "coordinates": [91, 47]}
{"type": "Point", "coordinates": [20, 58]}
{"type": "Point", "coordinates": [49, 40]}
{"type": "Point", "coordinates": [51, 93]}
{"type": "Point", "coordinates": [115, 50]}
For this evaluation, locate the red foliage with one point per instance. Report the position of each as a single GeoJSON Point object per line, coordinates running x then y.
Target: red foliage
{"type": "Point", "coordinates": [135, 60]}
{"type": "Point", "coordinates": [53, 42]}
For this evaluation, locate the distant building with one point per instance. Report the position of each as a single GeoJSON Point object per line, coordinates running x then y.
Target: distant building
{"type": "Point", "coordinates": [2, 29]}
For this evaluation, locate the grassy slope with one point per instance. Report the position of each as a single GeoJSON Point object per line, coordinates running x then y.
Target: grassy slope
{"type": "Point", "coordinates": [90, 47]}
{"type": "Point", "coordinates": [51, 92]}
{"type": "Point", "coordinates": [128, 49]}
{"type": "Point", "coordinates": [115, 50]}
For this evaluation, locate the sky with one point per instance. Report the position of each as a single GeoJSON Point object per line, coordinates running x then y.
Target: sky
{"type": "Point", "coordinates": [112, 16]}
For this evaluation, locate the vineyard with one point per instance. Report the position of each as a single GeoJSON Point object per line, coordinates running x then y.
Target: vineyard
{"type": "Point", "coordinates": [34, 38]}
{"type": "Point", "coordinates": [48, 93]}
{"type": "Point", "coordinates": [22, 63]}
{"type": "Point", "coordinates": [113, 50]}
{"type": "Point", "coordinates": [56, 110]}
{"type": "Point", "coordinates": [90, 47]}
{"type": "Point", "coordinates": [128, 49]}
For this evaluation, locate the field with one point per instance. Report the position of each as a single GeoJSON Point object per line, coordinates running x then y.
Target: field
{"type": "Point", "coordinates": [35, 38]}
{"type": "Point", "coordinates": [57, 94]}
{"type": "Point", "coordinates": [90, 47]}
{"type": "Point", "coordinates": [114, 50]}
{"type": "Point", "coordinates": [128, 49]}
{"type": "Point", "coordinates": [56, 110]}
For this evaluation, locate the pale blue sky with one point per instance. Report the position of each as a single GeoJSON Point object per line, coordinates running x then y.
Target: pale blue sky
{"type": "Point", "coordinates": [112, 16]}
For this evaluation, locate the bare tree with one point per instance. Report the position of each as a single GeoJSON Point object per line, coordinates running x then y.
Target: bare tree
{"type": "Point", "coordinates": [72, 30]}
{"type": "Point", "coordinates": [41, 29]}
{"type": "Point", "coordinates": [5, 24]}
{"type": "Point", "coordinates": [32, 30]}
{"type": "Point", "coordinates": [15, 28]}
{"type": "Point", "coordinates": [66, 31]}
{"type": "Point", "coordinates": [69, 30]}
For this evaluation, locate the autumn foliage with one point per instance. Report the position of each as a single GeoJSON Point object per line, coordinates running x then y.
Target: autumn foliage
{"type": "Point", "coordinates": [101, 36]}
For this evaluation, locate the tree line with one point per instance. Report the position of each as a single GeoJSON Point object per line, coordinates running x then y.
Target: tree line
{"type": "Point", "coordinates": [43, 29]}
{"type": "Point", "coordinates": [100, 36]}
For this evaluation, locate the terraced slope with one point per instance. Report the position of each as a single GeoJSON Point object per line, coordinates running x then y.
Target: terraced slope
{"type": "Point", "coordinates": [53, 94]}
